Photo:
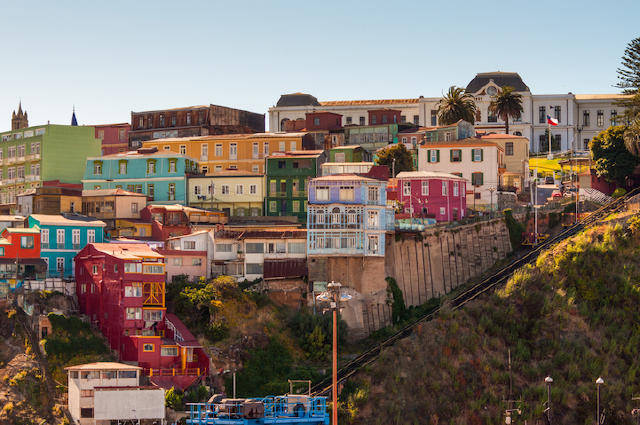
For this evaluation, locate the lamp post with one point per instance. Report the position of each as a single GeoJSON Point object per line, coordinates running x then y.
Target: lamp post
{"type": "Point", "coordinates": [333, 296]}
{"type": "Point", "coordinates": [599, 382]}
{"type": "Point", "coordinates": [491, 190]}
{"type": "Point", "coordinates": [548, 380]}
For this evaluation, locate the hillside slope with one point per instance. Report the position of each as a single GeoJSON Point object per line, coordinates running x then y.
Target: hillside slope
{"type": "Point", "coordinates": [573, 316]}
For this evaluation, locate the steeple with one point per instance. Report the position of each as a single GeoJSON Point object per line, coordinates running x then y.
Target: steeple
{"type": "Point", "coordinates": [19, 120]}
{"type": "Point", "coordinates": [74, 121]}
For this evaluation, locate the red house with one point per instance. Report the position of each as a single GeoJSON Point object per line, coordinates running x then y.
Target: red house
{"type": "Point", "coordinates": [115, 137]}
{"type": "Point", "coordinates": [121, 287]}
{"type": "Point", "coordinates": [323, 121]}
{"type": "Point", "coordinates": [431, 194]}
{"type": "Point", "coordinates": [384, 116]}
{"type": "Point", "coordinates": [21, 245]}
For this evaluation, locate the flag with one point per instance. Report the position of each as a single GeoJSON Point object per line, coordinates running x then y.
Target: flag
{"type": "Point", "coordinates": [552, 121]}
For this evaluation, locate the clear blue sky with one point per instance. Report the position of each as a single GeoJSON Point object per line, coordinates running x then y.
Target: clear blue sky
{"type": "Point", "coordinates": [111, 57]}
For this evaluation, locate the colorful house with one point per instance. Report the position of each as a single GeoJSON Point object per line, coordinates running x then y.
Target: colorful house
{"type": "Point", "coordinates": [175, 220]}
{"type": "Point", "coordinates": [234, 192]}
{"type": "Point", "coordinates": [114, 137]}
{"type": "Point", "coordinates": [159, 175]}
{"type": "Point", "coordinates": [287, 177]}
{"type": "Point", "coordinates": [188, 255]}
{"type": "Point", "coordinates": [432, 194]}
{"type": "Point", "coordinates": [347, 215]}
{"type": "Point", "coordinates": [62, 237]}
{"type": "Point", "coordinates": [109, 205]}
{"type": "Point", "coordinates": [349, 153]}
{"type": "Point", "coordinates": [121, 287]}
{"type": "Point", "coordinates": [31, 155]}
{"type": "Point", "coordinates": [245, 152]}
{"type": "Point", "coordinates": [20, 246]}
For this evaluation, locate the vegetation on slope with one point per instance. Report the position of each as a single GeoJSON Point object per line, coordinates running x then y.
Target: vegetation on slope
{"type": "Point", "coordinates": [572, 316]}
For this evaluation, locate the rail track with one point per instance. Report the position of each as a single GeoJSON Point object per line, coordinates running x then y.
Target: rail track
{"type": "Point", "coordinates": [499, 277]}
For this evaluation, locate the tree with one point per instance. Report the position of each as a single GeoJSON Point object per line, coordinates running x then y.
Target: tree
{"type": "Point", "coordinates": [506, 103]}
{"type": "Point", "coordinates": [629, 71]}
{"type": "Point", "coordinates": [613, 161]}
{"type": "Point", "coordinates": [403, 158]}
{"type": "Point", "coordinates": [632, 136]}
{"type": "Point", "coordinates": [456, 105]}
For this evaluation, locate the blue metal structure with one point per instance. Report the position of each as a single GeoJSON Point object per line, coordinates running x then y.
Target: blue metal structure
{"type": "Point", "coordinates": [287, 409]}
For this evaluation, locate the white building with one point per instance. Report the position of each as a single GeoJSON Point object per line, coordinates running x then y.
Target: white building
{"type": "Point", "coordinates": [581, 116]}
{"type": "Point", "coordinates": [105, 393]}
{"type": "Point", "coordinates": [479, 162]}
{"type": "Point", "coordinates": [331, 168]}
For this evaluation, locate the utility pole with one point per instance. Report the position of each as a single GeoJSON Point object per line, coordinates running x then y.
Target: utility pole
{"type": "Point", "coordinates": [491, 190]}
{"type": "Point", "coordinates": [393, 167]}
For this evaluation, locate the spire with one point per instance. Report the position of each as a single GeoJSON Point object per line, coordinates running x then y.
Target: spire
{"type": "Point", "coordinates": [19, 120]}
{"type": "Point", "coordinates": [20, 108]}
{"type": "Point", "coordinates": [74, 121]}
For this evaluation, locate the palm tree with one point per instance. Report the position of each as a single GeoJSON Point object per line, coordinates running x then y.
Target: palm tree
{"type": "Point", "coordinates": [456, 105]}
{"type": "Point", "coordinates": [506, 103]}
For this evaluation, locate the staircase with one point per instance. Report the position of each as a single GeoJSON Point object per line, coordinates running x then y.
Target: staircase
{"type": "Point", "coordinates": [594, 195]}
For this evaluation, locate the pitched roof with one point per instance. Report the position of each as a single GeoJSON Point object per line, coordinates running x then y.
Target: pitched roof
{"type": "Point", "coordinates": [427, 174]}
{"type": "Point", "coordinates": [11, 218]}
{"type": "Point", "coordinates": [103, 366]}
{"type": "Point", "coordinates": [34, 229]}
{"type": "Point", "coordinates": [296, 154]}
{"type": "Point", "coordinates": [67, 220]}
{"type": "Point", "coordinates": [127, 251]}
{"type": "Point", "coordinates": [109, 192]}
{"type": "Point", "coordinates": [297, 99]}
{"type": "Point", "coordinates": [345, 177]}
{"type": "Point", "coordinates": [501, 79]}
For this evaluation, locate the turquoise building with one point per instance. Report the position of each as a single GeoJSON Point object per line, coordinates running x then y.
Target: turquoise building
{"type": "Point", "coordinates": [62, 237]}
{"type": "Point", "coordinates": [161, 175]}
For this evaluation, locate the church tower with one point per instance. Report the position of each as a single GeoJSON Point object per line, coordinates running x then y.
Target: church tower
{"type": "Point", "coordinates": [19, 120]}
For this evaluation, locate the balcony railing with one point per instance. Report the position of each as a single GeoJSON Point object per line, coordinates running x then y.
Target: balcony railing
{"type": "Point", "coordinates": [20, 159]}
{"type": "Point", "coordinates": [33, 157]}
{"type": "Point", "coordinates": [11, 160]}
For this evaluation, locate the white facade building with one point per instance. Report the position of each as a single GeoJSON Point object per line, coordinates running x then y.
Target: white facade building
{"type": "Point", "coordinates": [581, 116]}
{"type": "Point", "coordinates": [100, 393]}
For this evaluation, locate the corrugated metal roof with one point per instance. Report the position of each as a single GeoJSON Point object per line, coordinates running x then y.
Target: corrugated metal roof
{"type": "Point", "coordinates": [103, 366]}
{"type": "Point", "coordinates": [59, 220]}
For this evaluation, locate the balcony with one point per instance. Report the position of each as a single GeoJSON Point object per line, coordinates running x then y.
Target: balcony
{"type": "Point", "coordinates": [11, 160]}
{"type": "Point", "coordinates": [20, 159]}
{"type": "Point", "coordinates": [33, 178]}
{"type": "Point", "coordinates": [33, 157]}
{"type": "Point", "coordinates": [19, 179]}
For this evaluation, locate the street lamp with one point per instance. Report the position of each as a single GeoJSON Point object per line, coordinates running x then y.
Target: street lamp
{"type": "Point", "coordinates": [491, 190]}
{"type": "Point", "coordinates": [548, 380]}
{"type": "Point", "coordinates": [333, 296]}
{"type": "Point", "coordinates": [599, 382]}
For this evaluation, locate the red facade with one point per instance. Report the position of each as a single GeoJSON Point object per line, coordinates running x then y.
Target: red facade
{"type": "Point", "coordinates": [115, 137]}
{"type": "Point", "coordinates": [20, 243]}
{"type": "Point", "coordinates": [384, 116]}
{"type": "Point", "coordinates": [121, 287]}
{"type": "Point", "coordinates": [323, 121]}
{"type": "Point", "coordinates": [428, 194]}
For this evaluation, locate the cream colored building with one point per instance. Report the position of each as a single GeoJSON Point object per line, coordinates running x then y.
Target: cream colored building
{"type": "Point", "coordinates": [516, 158]}
{"type": "Point", "coordinates": [100, 393]}
{"type": "Point", "coordinates": [237, 193]}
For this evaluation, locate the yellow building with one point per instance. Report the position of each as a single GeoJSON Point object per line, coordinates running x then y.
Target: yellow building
{"type": "Point", "coordinates": [516, 158]}
{"type": "Point", "coordinates": [244, 152]}
{"type": "Point", "coordinates": [236, 192]}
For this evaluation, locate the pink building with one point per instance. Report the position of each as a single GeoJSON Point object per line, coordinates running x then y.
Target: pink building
{"type": "Point", "coordinates": [115, 137]}
{"type": "Point", "coordinates": [431, 194]}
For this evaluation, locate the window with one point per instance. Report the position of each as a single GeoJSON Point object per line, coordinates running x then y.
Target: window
{"type": "Point", "coordinates": [322, 193]}
{"type": "Point", "coordinates": [166, 147]}
{"type": "Point", "coordinates": [253, 189]}
{"type": "Point", "coordinates": [297, 247]}
{"type": "Point", "coordinates": [153, 269]}
{"type": "Point", "coordinates": [224, 247]}
{"type": "Point", "coordinates": [90, 374]}
{"type": "Point", "coordinates": [491, 117]}
{"type": "Point", "coordinates": [59, 263]}
{"type": "Point", "coordinates": [233, 151]}
{"type": "Point", "coordinates": [150, 121]}
{"type": "Point", "coordinates": [508, 148]}
{"type": "Point", "coordinates": [372, 219]}
{"type": "Point", "coordinates": [197, 190]}
{"type": "Point", "coordinates": [108, 374]}
{"type": "Point", "coordinates": [173, 120]}
{"type": "Point", "coordinates": [433, 155]}
{"type": "Point", "coordinates": [94, 269]}
{"type": "Point", "coordinates": [189, 244]}
{"type": "Point", "coordinates": [150, 190]}
{"type": "Point", "coordinates": [172, 191]}
{"type": "Point", "coordinates": [135, 290]}
{"type": "Point", "coordinates": [97, 166]}
{"type": "Point", "coordinates": [86, 393]}
{"type": "Point", "coordinates": [273, 206]}
{"type": "Point", "coordinates": [614, 116]}
{"type": "Point", "coordinates": [404, 140]}
{"type": "Point", "coordinates": [176, 261]}
{"type": "Point", "coordinates": [585, 119]}
{"type": "Point", "coordinates": [188, 118]}
{"type": "Point", "coordinates": [455, 189]}
{"type": "Point", "coordinates": [183, 149]}
{"type": "Point", "coordinates": [204, 151]}
{"type": "Point", "coordinates": [148, 348]}
{"type": "Point", "coordinates": [86, 412]}
{"type": "Point", "coordinates": [445, 188]}
{"type": "Point", "coordinates": [127, 374]}
{"type": "Point", "coordinates": [361, 121]}
{"type": "Point", "coordinates": [44, 238]}
{"type": "Point", "coordinates": [196, 262]}
{"type": "Point", "coordinates": [254, 268]}
{"type": "Point", "coordinates": [349, 120]}
{"type": "Point", "coordinates": [456, 155]}
{"type": "Point", "coordinates": [122, 169]}
{"type": "Point", "coordinates": [414, 140]}
{"type": "Point", "coordinates": [254, 248]}
{"type": "Point", "coordinates": [373, 243]}
{"type": "Point", "coordinates": [161, 120]}
{"type": "Point", "coordinates": [132, 268]}
{"type": "Point", "coordinates": [347, 193]}
{"type": "Point", "coordinates": [35, 148]}
{"type": "Point", "coordinates": [295, 206]}
{"type": "Point", "coordinates": [556, 142]}
{"type": "Point", "coordinates": [416, 119]}
{"type": "Point", "coordinates": [91, 236]}
{"type": "Point", "coordinates": [477, 179]}
{"type": "Point", "coordinates": [239, 189]}
{"type": "Point", "coordinates": [60, 236]}
{"type": "Point", "coordinates": [172, 165]}
{"type": "Point", "coordinates": [169, 351]}
{"type": "Point", "coordinates": [542, 114]}
{"type": "Point", "coordinates": [406, 188]}
{"type": "Point", "coordinates": [265, 148]}
{"type": "Point", "coordinates": [600, 118]}
{"type": "Point", "coordinates": [316, 121]}
{"type": "Point", "coordinates": [152, 315]}
{"type": "Point", "coordinates": [373, 194]}
{"type": "Point", "coordinates": [557, 112]}
{"type": "Point", "coordinates": [134, 208]}
{"type": "Point", "coordinates": [26, 242]}
{"type": "Point", "coordinates": [75, 238]}
{"type": "Point", "coordinates": [476, 155]}
{"type": "Point", "coordinates": [585, 144]}
{"type": "Point", "coordinates": [443, 211]}
{"type": "Point", "coordinates": [425, 187]}
{"type": "Point", "coordinates": [282, 146]}
{"type": "Point", "coordinates": [373, 119]}
{"type": "Point", "coordinates": [225, 189]}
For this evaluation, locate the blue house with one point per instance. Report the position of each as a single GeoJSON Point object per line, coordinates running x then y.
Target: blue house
{"type": "Point", "coordinates": [161, 175]}
{"type": "Point", "coordinates": [347, 215]}
{"type": "Point", "coordinates": [62, 237]}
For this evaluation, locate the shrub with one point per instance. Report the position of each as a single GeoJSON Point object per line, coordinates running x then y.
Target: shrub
{"type": "Point", "coordinates": [619, 192]}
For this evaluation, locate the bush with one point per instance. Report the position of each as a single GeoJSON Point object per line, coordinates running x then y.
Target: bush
{"type": "Point", "coordinates": [313, 332]}
{"type": "Point", "coordinates": [173, 399]}
{"type": "Point", "coordinates": [619, 192]}
{"type": "Point", "coordinates": [515, 229]}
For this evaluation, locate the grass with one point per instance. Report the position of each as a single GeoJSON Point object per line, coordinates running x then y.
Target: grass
{"type": "Point", "coordinates": [544, 165]}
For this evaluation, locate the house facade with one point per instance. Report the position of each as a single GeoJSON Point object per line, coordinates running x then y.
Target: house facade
{"type": "Point", "coordinates": [62, 237]}
{"type": "Point", "coordinates": [331, 168]}
{"type": "Point", "coordinates": [516, 159]}
{"type": "Point", "coordinates": [244, 152]}
{"type": "Point", "coordinates": [161, 176]}
{"type": "Point", "coordinates": [189, 255]}
{"type": "Point", "coordinates": [432, 194]}
{"type": "Point", "coordinates": [31, 155]}
{"type": "Point", "coordinates": [121, 287]}
{"type": "Point", "coordinates": [114, 137]}
{"type": "Point", "coordinates": [108, 392]}
{"type": "Point", "coordinates": [175, 220]}
{"type": "Point", "coordinates": [109, 205]}
{"type": "Point", "coordinates": [480, 162]}
{"type": "Point", "coordinates": [287, 177]}
{"type": "Point", "coordinates": [234, 192]}
{"type": "Point", "coordinates": [20, 246]}
{"type": "Point", "coordinates": [348, 153]}
{"type": "Point", "coordinates": [347, 215]}
{"type": "Point", "coordinates": [54, 198]}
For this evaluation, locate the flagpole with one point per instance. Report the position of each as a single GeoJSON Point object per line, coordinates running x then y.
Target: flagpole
{"type": "Point", "coordinates": [549, 130]}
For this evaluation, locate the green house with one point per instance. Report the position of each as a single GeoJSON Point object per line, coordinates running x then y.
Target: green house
{"type": "Point", "coordinates": [31, 155]}
{"type": "Point", "coordinates": [287, 177]}
{"type": "Point", "coordinates": [349, 153]}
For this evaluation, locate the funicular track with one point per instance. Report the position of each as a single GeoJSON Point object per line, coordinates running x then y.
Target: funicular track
{"type": "Point", "coordinates": [498, 278]}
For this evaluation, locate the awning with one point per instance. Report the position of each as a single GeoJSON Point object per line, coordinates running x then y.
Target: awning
{"type": "Point", "coordinates": [24, 261]}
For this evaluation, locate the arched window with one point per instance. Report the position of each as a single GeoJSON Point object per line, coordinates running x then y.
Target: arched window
{"type": "Point", "coordinates": [282, 123]}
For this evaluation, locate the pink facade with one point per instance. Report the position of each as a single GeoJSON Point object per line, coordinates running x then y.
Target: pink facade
{"type": "Point", "coordinates": [190, 263]}
{"type": "Point", "coordinates": [115, 137]}
{"type": "Point", "coordinates": [431, 194]}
